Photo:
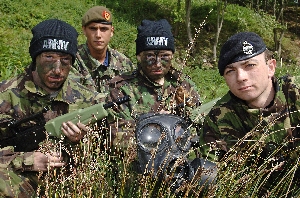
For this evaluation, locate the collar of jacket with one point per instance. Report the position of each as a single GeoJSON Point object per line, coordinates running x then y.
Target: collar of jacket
{"type": "Point", "coordinates": [94, 63]}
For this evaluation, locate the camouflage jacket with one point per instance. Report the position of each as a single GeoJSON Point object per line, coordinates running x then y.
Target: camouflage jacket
{"type": "Point", "coordinates": [231, 120]}
{"type": "Point", "coordinates": [21, 98]}
{"type": "Point", "coordinates": [91, 73]}
{"type": "Point", "coordinates": [146, 97]}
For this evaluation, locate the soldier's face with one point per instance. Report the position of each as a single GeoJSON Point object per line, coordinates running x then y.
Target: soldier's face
{"type": "Point", "coordinates": [98, 36]}
{"type": "Point", "coordinates": [251, 79]}
{"type": "Point", "coordinates": [52, 69]}
{"type": "Point", "coordinates": [155, 63]}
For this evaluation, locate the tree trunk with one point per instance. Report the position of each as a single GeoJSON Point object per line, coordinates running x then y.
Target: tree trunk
{"type": "Point", "coordinates": [177, 24]}
{"type": "Point", "coordinates": [279, 17]}
{"type": "Point", "coordinates": [278, 40]}
{"type": "Point", "coordinates": [274, 8]}
{"type": "Point", "coordinates": [188, 19]}
{"type": "Point", "coordinates": [220, 17]}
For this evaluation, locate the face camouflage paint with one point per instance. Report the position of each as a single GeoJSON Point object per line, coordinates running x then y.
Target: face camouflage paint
{"type": "Point", "coordinates": [153, 57]}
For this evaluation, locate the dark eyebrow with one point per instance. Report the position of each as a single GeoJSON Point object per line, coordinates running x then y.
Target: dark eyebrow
{"type": "Point", "coordinates": [229, 66]}
{"type": "Point", "coordinates": [250, 60]}
{"type": "Point", "coordinates": [244, 62]}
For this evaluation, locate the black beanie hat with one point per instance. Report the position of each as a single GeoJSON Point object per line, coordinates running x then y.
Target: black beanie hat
{"type": "Point", "coordinates": [154, 35]}
{"type": "Point", "coordinates": [53, 35]}
{"type": "Point", "coordinates": [241, 46]}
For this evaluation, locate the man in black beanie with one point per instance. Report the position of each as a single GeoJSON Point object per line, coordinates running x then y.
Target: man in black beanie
{"type": "Point", "coordinates": [257, 108]}
{"type": "Point", "coordinates": [155, 88]}
{"type": "Point", "coordinates": [43, 89]}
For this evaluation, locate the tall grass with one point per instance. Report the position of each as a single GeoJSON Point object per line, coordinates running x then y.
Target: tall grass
{"type": "Point", "coordinates": [96, 172]}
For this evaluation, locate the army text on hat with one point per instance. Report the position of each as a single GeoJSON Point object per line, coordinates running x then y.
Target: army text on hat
{"type": "Point", "coordinates": [98, 14]}
{"type": "Point", "coordinates": [241, 46]}
{"type": "Point", "coordinates": [160, 41]}
{"type": "Point", "coordinates": [56, 44]}
{"type": "Point", "coordinates": [154, 35]}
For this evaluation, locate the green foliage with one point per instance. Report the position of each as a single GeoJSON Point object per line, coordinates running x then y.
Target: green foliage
{"type": "Point", "coordinates": [210, 82]}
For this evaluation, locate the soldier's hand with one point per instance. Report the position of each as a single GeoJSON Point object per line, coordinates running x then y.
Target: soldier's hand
{"type": "Point", "coordinates": [74, 132]}
{"type": "Point", "coordinates": [42, 161]}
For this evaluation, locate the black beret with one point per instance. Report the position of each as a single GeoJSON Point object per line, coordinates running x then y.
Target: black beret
{"type": "Point", "coordinates": [241, 46]}
{"type": "Point", "coordinates": [154, 35]}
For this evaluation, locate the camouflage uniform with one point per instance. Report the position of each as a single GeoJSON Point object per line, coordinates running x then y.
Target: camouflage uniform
{"type": "Point", "coordinates": [146, 97]}
{"type": "Point", "coordinates": [231, 119]}
{"type": "Point", "coordinates": [261, 138]}
{"type": "Point", "coordinates": [20, 98]}
{"type": "Point", "coordinates": [90, 72]}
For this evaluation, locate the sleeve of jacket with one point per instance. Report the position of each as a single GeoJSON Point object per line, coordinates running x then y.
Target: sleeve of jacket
{"type": "Point", "coordinates": [120, 122]}
{"type": "Point", "coordinates": [18, 161]}
{"type": "Point", "coordinates": [217, 125]}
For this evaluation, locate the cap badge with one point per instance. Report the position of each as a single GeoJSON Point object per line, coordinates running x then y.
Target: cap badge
{"type": "Point", "coordinates": [106, 15]}
{"type": "Point", "coordinates": [247, 48]}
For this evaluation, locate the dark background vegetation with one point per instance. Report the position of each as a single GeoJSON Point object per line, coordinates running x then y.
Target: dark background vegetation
{"type": "Point", "coordinates": [18, 17]}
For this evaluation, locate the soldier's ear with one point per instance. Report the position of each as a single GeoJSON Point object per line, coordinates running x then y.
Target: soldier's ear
{"type": "Point", "coordinates": [271, 65]}
{"type": "Point", "coordinates": [138, 57]}
{"type": "Point", "coordinates": [83, 30]}
{"type": "Point", "coordinates": [112, 31]}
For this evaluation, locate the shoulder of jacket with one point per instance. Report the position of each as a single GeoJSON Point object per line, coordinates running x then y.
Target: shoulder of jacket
{"type": "Point", "coordinates": [177, 74]}
{"type": "Point", "coordinates": [122, 79]}
{"type": "Point", "coordinates": [17, 82]}
{"type": "Point", "coordinates": [115, 52]}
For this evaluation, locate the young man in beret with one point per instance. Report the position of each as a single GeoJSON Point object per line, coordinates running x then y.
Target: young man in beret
{"type": "Point", "coordinates": [258, 108]}
{"type": "Point", "coordinates": [43, 84]}
{"type": "Point", "coordinates": [96, 62]}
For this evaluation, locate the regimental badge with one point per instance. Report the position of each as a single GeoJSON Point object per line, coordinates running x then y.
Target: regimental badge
{"type": "Point", "coordinates": [247, 48]}
{"type": "Point", "coordinates": [106, 15]}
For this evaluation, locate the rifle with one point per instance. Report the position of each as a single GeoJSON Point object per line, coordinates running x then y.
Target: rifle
{"type": "Point", "coordinates": [27, 132]}
{"type": "Point", "coordinates": [30, 131]}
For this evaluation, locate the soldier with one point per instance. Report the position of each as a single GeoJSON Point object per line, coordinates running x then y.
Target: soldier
{"type": "Point", "coordinates": [156, 86]}
{"type": "Point", "coordinates": [43, 84]}
{"type": "Point", "coordinates": [159, 113]}
{"type": "Point", "coordinates": [96, 62]}
{"type": "Point", "coordinates": [258, 106]}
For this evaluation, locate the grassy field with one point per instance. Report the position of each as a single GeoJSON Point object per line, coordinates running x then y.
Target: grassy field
{"type": "Point", "coordinates": [95, 177]}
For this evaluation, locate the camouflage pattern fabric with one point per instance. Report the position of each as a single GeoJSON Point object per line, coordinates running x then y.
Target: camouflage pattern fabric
{"type": "Point", "coordinates": [93, 74]}
{"type": "Point", "coordinates": [146, 97]}
{"type": "Point", "coordinates": [20, 98]}
{"type": "Point", "coordinates": [231, 120]}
